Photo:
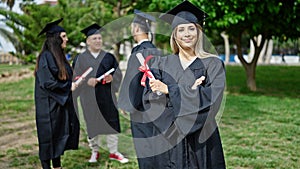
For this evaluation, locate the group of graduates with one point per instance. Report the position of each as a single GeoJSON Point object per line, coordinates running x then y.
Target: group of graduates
{"type": "Point", "coordinates": [172, 100]}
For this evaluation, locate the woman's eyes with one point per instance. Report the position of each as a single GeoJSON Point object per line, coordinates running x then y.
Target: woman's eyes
{"type": "Point", "coordinates": [190, 29]}
{"type": "Point", "coordinates": [96, 38]}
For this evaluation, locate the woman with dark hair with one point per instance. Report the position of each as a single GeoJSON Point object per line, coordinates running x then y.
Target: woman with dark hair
{"type": "Point", "coordinates": [192, 82]}
{"type": "Point", "coordinates": [56, 120]}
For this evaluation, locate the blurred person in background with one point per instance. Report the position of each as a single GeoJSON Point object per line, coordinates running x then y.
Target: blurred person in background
{"type": "Point", "coordinates": [97, 98]}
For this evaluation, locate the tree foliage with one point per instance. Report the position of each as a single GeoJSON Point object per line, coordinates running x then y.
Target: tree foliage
{"type": "Point", "coordinates": [77, 15]}
{"type": "Point", "coordinates": [250, 18]}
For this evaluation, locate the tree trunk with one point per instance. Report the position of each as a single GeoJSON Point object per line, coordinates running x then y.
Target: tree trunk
{"type": "Point", "coordinates": [250, 67]}
{"type": "Point", "coordinates": [251, 51]}
{"type": "Point", "coordinates": [269, 51]}
{"type": "Point", "coordinates": [250, 74]}
{"type": "Point", "coordinates": [117, 50]}
{"type": "Point", "coordinates": [262, 55]}
{"type": "Point", "coordinates": [262, 52]}
{"type": "Point", "coordinates": [118, 44]}
{"type": "Point", "coordinates": [227, 49]}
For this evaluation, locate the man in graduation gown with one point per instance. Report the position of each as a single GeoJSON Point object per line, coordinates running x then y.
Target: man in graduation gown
{"type": "Point", "coordinates": [130, 97]}
{"type": "Point", "coordinates": [97, 98]}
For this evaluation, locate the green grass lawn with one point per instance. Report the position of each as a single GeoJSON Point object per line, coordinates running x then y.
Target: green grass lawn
{"type": "Point", "coordinates": [5, 68]}
{"type": "Point", "coordinates": [259, 130]}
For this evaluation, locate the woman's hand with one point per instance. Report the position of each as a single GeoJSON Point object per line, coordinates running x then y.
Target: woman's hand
{"type": "Point", "coordinates": [157, 85]}
{"type": "Point", "coordinates": [198, 82]}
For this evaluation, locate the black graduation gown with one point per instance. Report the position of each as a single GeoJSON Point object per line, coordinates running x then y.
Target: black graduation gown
{"type": "Point", "coordinates": [56, 120]}
{"type": "Point", "coordinates": [186, 133]}
{"type": "Point", "coordinates": [131, 91]}
{"type": "Point", "coordinates": [98, 103]}
{"type": "Point", "coordinates": [130, 100]}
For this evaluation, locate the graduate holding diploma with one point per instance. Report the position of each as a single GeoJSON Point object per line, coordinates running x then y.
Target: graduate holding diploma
{"type": "Point", "coordinates": [56, 120]}
{"type": "Point", "coordinates": [192, 82]}
{"type": "Point", "coordinates": [97, 95]}
{"type": "Point", "coordinates": [131, 93]}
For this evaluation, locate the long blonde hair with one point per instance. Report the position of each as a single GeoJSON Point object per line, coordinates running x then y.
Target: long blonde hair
{"type": "Point", "coordinates": [199, 51]}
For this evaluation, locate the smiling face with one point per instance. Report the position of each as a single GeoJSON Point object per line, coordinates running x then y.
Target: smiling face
{"type": "Point", "coordinates": [186, 36]}
{"type": "Point", "coordinates": [65, 39]}
{"type": "Point", "coordinates": [94, 42]}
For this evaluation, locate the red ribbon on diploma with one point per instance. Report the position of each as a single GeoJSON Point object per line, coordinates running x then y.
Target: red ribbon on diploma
{"type": "Point", "coordinates": [145, 69]}
{"type": "Point", "coordinates": [77, 77]}
{"type": "Point", "coordinates": [103, 80]}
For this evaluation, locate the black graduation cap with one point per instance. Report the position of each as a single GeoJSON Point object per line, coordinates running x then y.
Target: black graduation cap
{"type": "Point", "coordinates": [184, 13]}
{"type": "Point", "coordinates": [91, 30]}
{"type": "Point", "coordinates": [143, 18]}
{"type": "Point", "coordinates": [52, 27]}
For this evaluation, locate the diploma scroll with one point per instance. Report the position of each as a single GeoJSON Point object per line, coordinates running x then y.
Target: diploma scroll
{"type": "Point", "coordinates": [88, 71]}
{"type": "Point", "coordinates": [141, 59]}
{"type": "Point", "coordinates": [105, 74]}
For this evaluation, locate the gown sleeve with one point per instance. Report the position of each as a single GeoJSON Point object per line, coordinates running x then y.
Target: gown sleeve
{"type": "Point", "coordinates": [48, 81]}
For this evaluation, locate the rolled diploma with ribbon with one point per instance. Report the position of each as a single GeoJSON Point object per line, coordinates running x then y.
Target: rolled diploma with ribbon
{"type": "Point", "coordinates": [89, 70]}
{"type": "Point", "coordinates": [105, 74]}
{"type": "Point", "coordinates": [141, 59]}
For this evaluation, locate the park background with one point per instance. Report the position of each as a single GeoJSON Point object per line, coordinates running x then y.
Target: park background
{"type": "Point", "coordinates": [260, 122]}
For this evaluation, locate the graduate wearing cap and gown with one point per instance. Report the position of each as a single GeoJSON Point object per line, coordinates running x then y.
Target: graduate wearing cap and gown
{"type": "Point", "coordinates": [130, 97]}
{"type": "Point", "coordinates": [98, 98]}
{"type": "Point", "coordinates": [56, 120]}
{"type": "Point", "coordinates": [131, 88]}
{"type": "Point", "coordinates": [192, 82]}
